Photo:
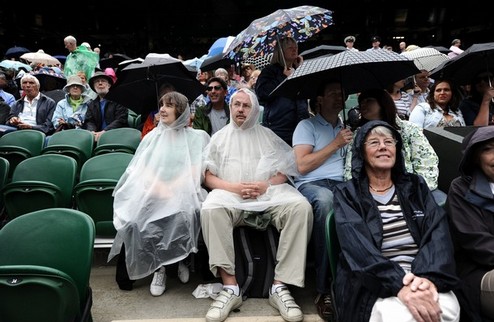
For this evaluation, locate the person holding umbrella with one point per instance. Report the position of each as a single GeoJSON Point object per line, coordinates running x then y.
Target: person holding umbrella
{"type": "Point", "coordinates": [320, 144]}
{"type": "Point", "coordinates": [281, 114]}
{"type": "Point", "coordinates": [478, 107]}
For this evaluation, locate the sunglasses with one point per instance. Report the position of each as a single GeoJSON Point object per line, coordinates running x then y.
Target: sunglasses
{"type": "Point", "coordinates": [216, 88]}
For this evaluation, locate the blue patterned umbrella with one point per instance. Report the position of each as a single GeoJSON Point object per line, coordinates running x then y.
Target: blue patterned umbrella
{"type": "Point", "coordinates": [14, 64]}
{"type": "Point", "coordinates": [260, 37]}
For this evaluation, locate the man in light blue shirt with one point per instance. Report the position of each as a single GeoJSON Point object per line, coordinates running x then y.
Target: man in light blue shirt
{"type": "Point", "coordinates": [6, 96]}
{"type": "Point", "coordinates": [320, 144]}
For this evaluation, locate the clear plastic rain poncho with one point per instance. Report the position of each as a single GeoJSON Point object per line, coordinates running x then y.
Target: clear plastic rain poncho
{"type": "Point", "coordinates": [250, 153]}
{"type": "Point", "coordinates": [158, 198]}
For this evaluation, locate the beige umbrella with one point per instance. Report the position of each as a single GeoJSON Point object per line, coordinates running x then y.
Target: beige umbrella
{"type": "Point", "coordinates": [426, 58]}
{"type": "Point", "coordinates": [40, 57]}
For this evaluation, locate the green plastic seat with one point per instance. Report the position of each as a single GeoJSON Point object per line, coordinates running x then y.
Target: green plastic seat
{"type": "Point", "coordinates": [137, 121]}
{"type": "Point", "coordinates": [45, 267]}
{"type": "Point", "coordinates": [19, 145]}
{"type": "Point", "coordinates": [4, 174]}
{"type": "Point", "coordinates": [124, 139]}
{"type": "Point", "coordinates": [40, 182]}
{"type": "Point", "coordinates": [75, 143]}
{"type": "Point", "coordinates": [332, 242]}
{"type": "Point", "coordinates": [94, 192]}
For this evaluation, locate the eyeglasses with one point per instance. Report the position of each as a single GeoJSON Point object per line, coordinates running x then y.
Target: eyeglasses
{"type": "Point", "coordinates": [376, 143]}
{"type": "Point", "coordinates": [216, 88]}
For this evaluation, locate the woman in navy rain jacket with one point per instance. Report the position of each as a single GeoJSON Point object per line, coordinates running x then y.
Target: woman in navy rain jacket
{"type": "Point", "coordinates": [376, 280]}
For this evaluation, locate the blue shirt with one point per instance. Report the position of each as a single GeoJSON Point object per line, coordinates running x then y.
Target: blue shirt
{"type": "Point", "coordinates": [316, 131]}
{"type": "Point", "coordinates": [7, 97]}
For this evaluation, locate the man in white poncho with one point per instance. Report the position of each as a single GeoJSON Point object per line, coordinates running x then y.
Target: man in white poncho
{"type": "Point", "coordinates": [158, 198]}
{"type": "Point", "coordinates": [246, 169]}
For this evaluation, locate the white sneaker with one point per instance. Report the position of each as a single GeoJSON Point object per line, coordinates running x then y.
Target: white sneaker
{"type": "Point", "coordinates": [226, 302]}
{"type": "Point", "coordinates": [158, 285]}
{"type": "Point", "coordinates": [283, 301]}
{"type": "Point", "coordinates": [183, 272]}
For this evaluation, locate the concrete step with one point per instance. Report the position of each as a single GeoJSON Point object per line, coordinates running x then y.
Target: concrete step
{"type": "Point", "coordinates": [177, 304]}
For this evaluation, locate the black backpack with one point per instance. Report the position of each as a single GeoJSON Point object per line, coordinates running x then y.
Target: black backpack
{"type": "Point", "coordinates": [255, 260]}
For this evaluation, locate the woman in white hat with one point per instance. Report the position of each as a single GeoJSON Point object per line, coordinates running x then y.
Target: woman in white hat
{"type": "Point", "coordinates": [71, 111]}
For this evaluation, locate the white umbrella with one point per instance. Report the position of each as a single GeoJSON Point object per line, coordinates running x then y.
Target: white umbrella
{"type": "Point", "coordinates": [40, 57]}
{"type": "Point", "coordinates": [426, 58]}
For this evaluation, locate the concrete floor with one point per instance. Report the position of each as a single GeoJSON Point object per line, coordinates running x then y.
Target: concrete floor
{"type": "Point", "coordinates": [177, 304]}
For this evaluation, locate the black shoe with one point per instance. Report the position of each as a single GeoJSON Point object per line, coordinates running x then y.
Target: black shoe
{"type": "Point", "coordinates": [324, 305]}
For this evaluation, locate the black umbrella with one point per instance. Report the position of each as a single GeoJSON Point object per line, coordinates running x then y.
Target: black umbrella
{"type": "Point", "coordinates": [322, 50]}
{"type": "Point", "coordinates": [215, 62]}
{"type": "Point", "coordinates": [466, 66]}
{"type": "Point", "coordinates": [356, 70]}
{"type": "Point", "coordinates": [112, 61]}
{"type": "Point", "coordinates": [138, 84]}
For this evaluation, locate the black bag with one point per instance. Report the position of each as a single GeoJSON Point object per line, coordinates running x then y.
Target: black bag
{"type": "Point", "coordinates": [255, 260]}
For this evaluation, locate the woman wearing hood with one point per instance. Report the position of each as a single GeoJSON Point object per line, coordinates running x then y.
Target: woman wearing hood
{"type": "Point", "coordinates": [158, 199]}
{"type": "Point", "coordinates": [470, 206]}
{"type": "Point", "coordinates": [396, 261]}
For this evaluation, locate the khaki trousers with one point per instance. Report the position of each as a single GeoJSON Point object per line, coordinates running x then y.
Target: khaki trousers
{"type": "Point", "coordinates": [292, 220]}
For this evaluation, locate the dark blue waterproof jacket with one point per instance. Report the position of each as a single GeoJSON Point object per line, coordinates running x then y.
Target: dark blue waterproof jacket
{"type": "Point", "coordinates": [281, 114]}
{"type": "Point", "coordinates": [363, 273]}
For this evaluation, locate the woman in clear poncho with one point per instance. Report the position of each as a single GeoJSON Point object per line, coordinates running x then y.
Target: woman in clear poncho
{"type": "Point", "coordinates": [158, 198]}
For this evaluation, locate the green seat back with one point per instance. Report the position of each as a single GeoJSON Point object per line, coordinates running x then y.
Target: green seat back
{"type": "Point", "coordinates": [332, 243]}
{"type": "Point", "coordinates": [40, 182]}
{"type": "Point", "coordinates": [19, 145]}
{"type": "Point", "coordinates": [124, 139]}
{"type": "Point", "coordinates": [37, 293]}
{"type": "Point", "coordinates": [94, 192]}
{"type": "Point", "coordinates": [58, 238]}
{"type": "Point", "coordinates": [75, 143]}
{"type": "Point", "coordinates": [4, 176]}
{"type": "Point", "coordinates": [137, 121]}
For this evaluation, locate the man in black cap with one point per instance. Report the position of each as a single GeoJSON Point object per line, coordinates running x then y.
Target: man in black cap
{"type": "Point", "coordinates": [102, 114]}
{"type": "Point", "coordinates": [376, 42]}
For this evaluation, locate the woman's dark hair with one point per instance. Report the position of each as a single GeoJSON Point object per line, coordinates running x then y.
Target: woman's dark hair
{"type": "Point", "coordinates": [180, 101]}
{"type": "Point", "coordinates": [454, 103]}
{"type": "Point", "coordinates": [387, 112]}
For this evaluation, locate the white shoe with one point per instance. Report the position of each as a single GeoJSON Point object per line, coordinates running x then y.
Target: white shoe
{"type": "Point", "coordinates": [183, 272]}
{"type": "Point", "coordinates": [158, 285]}
{"type": "Point", "coordinates": [226, 302]}
{"type": "Point", "coordinates": [283, 301]}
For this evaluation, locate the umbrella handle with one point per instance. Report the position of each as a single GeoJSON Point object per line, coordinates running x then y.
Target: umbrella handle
{"type": "Point", "coordinates": [281, 51]}
{"type": "Point", "coordinates": [490, 85]}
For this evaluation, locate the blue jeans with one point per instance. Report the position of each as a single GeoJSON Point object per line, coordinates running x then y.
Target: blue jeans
{"type": "Point", "coordinates": [320, 196]}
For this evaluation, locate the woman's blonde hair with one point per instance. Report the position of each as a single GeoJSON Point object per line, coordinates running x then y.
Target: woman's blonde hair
{"type": "Point", "coordinates": [281, 45]}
